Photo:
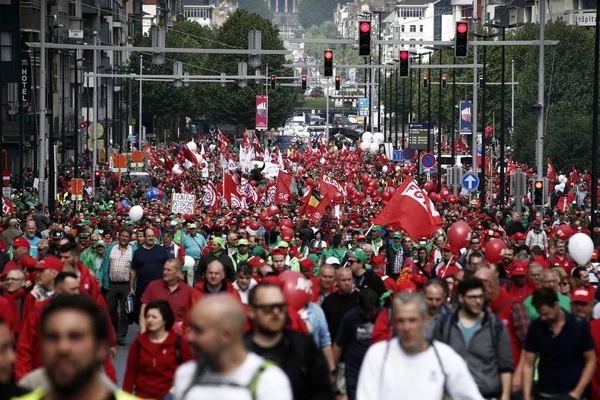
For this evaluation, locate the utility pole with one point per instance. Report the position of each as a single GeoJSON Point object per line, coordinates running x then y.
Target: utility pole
{"type": "Point", "coordinates": [502, 122]}
{"type": "Point", "coordinates": [140, 110]}
{"type": "Point", "coordinates": [482, 202]}
{"type": "Point", "coordinates": [594, 186]}
{"type": "Point", "coordinates": [76, 124]}
{"type": "Point", "coordinates": [474, 113]}
{"type": "Point", "coordinates": [439, 172]}
{"type": "Point", "coordinates": [95, 126]}
{"type": "Point", "coordinates": [42, 199]}
{"type": "Point", "coordinates": [540, 105]}
{"type": "Point", "coordinates": [453, 130]}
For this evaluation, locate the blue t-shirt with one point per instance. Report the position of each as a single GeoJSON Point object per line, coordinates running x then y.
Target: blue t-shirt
{"type": "Point", "coordinates": [354, 336]}
{"type": "Point", "coordinates": [560, 357]}
{"type": "Point", "coordinates": [148, 265]}
{"type": "Point", "coordinates": [468, 333]}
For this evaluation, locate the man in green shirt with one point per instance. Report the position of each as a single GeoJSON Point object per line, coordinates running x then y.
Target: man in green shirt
{"type": "Point", "coordinates": [548, 280]}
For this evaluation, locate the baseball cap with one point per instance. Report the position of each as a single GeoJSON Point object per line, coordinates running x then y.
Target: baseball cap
{"type": "Point", "coordinates": [28, 262]}
{"type": "Point", "coordinates": [242, 242]}
{"type": "Point", "coordinates": [283, 244]}
{"type": "Point", "coordinates": [377, 260]}
{"type": "Point", "coordinates": [278, 251]}
{"type": "Point", "coordinates": [21, 242]}
{"type": "Point", "coordinates": [256, 261]}
{"type": "Point", "coordinates": [219, 241]}
{"type": "Point", "coordinates": [519, 269]}
{"type": "Point", "coordinates": [192, 226]}
{"type": "Point", "coordinates": [397, 235]}
{"type": "Point", "coordinates": [332, 261]}
{"type": "Point", "coordinates": [100, 243]}
{"type": "Point", "coordinates": [306, 265]}
{"type": "Point", "coordinates": [359, 254]}
{"type": "Point", "coordinates": [537, 222]}
{"type": "Point", "coordinates": [407, 286]}
{"type": "Point", "coordinates": [376, 228]}
{"type": "Point", "coordinates": [447, 247]}
{"type": "Point", "coordinates": [595, 255]}
{"type": "Point", "coordinates": [361, 237]}
{"type": "Point", "coordinates": [50, 262]}
{"type": "Point", "coordinates": [518, 236]}
{"type": "Point", "coordinates": [582, 295]}
{"type": "Point", "coordinates": [58, 234]}
{"type": "Point", "coordinates": [174, 223]}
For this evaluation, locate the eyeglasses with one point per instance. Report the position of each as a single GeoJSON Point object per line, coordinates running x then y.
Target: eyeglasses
{"type": "Point", "coordinates": [269, 308]}
{"type": "Point", "coordinates": [564, 283]}
{"type": "Point", "coordinates": [13, 279]}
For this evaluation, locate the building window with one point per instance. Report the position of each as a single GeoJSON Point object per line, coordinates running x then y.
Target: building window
{"type": "Point", "coordinates": [402, 28]}
{"type": "Point", "coordinates": [420, 28]}
{"type": "Point", "coordinates": [412, 45]}
{"type": "Point", "coordinates": [5, 2]}
{"type": "Point", "coordinates": [413, 28]}
{"type": "Point", "coordinates": [6, 46]}
{"type": "Point", "coordinates": [411, 12]}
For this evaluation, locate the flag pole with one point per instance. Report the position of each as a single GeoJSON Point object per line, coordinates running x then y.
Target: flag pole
{"type": "Point", "coordinates": [369, 230]}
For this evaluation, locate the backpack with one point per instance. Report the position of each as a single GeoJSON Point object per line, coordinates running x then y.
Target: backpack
{"type": "Point", "coordinates": [177, 348]}
{"type": "Point", "coordinates": [495, 333]}
{"type": "Point", "coordinates": [252, 386]}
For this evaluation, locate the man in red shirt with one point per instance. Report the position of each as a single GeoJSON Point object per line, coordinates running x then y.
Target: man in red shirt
{"type": "Point", "coordinates": [171, 289]}
{"type": "Point", "coordinates": [520, 286]}
{"type": "Point", "coordinates": [378, 264]}
{"type": "Point", "coordinates": [561, 259]}
{"type": "Point", "coordinates": [448, 266]}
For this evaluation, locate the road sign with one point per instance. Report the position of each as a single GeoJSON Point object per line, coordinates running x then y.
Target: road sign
{"type": "Point", "coordinates": [137, 159]}
{"type": "Point", "coordinates": [77, 189]}
{"type": "Point", "coordinates": [75, 33]}
{"type": "Point", "coordinates": [120, 163]}
{"type": "Point", "coordinates": [397, 155]}
{"type": "Point", "coordinates": [409, 154]}
{"type": "Point", "coordinates": [427, 160]}
{"type": "Point", "coordinates": [428, 170]}
{"type": "Point", "coordinates": [6, 178]}
{"type": "Point", "coordinates": [470, 182]}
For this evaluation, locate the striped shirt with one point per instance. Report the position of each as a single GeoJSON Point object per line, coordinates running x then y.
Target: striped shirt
{"type": "Point", "coordinates": [120, 264]}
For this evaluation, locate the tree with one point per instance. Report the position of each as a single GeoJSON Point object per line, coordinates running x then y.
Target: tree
{"type": "Point", "coordinates": [256, 6]}
{"type": "Point", "coordinates": [315, 12]}
{"type": "Point", "coordinates": [317, 92]}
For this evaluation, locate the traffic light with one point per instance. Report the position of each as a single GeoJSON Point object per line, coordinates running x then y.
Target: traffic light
{"type": "Point", "coordinates": [481, 82]}
{"type": "Point", "coordinates": [425, 81]}
{"type": "Point", "coordinates": [328, 62]}
{"type": "Point", "coordinates": [337, 82]}
{"type": "Point", "coordinates": [364, 38]}
{"type": "Point", "coordinates": [461, 40]}
{"type": "Point", "coordinates": [273, 82]}
{"type": "Point", "coordinates": [444, 82]}
{"type": "Point", "coordinates": [404, 67]}
{"type": "Point", "coordinates": [538, 192]}
{"type": "Point", "coordinates": [303, 83]}
{"type": "Point", "coordinates": [97, 178]}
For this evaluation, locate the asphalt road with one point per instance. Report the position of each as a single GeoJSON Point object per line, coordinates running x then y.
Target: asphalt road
{"type": "Point", "coordinates": [122, 351]}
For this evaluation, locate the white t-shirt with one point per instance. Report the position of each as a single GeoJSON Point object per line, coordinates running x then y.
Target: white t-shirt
{"type": "Point", "coordinates": [414, 376]}
{"type": "Point", "coordinates": [273, 383]}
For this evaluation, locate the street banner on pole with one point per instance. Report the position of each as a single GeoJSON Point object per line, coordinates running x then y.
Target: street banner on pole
{"type": "Point", "coordinates": [466, 122]}
{"type": "Point", "coordinates": [262, 112]}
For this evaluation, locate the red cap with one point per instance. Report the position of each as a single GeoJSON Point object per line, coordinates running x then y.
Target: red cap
{"type": "Point", "coordinates": [278, 251]}
{"type": "Point", "coordinates": [21, 242]}
{"type": "Point", "coordinates": [537, 222]}
{"type": "Point", "coordinates": [377, 260]}
{"type": "Point", "coordinates": [256, 262]}
{"type": "Point", "coordinates": [582, 295]}
{"type": "Point", "coordinates": [447, 247]}
{"type": "Point", "coordinates": [519, 269]}
{"type": "Point", "coordinates": [307, 264]}
{"type": "Point", "coordinates": [407, 287]}
{"type": "Point", "coordinates": [361, 237]}
{"type": "Point", "coordinates": [51, 262]}
{"type": "Point", "coordinates": [518, 236]}
{"type": "Point", "coordinates": [28, 262]}
{"type": "Point", "coordinates": [595, 255]}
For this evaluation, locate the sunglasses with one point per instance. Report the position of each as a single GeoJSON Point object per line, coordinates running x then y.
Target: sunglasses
{"type": "Point", "coordinates": [475, 242]}
{"type": "Point", "coordinates": [269, 308]}
{"type": "Point", "coordinates": [563, 283]}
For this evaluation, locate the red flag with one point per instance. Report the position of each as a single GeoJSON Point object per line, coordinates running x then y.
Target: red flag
{"type": "Point", "coordinates": [310, 206]}
{"type": "Point", "coordinates": [151, 155]}
{"type": "Point", "coordinates": [211, 199]}
{"type": "Point", "coordinates": [575, 175]}
{"type": "Point", "coordinates": [223, 142]}
{"type": "Point", "coordinates": [462, 143]}
{"type": "Point", "coordinates": [229, 187]}
{"type": "Point", "coordinates": [511, 166]}
{"type": "Point", "coordinates": [330, 187]}
{"type": "Point", "coordinates": [7, 207]}
{"type": "Point", "coordinates": [321, 209]}
{"type": "Point", "coordinates": [566, 201]}
{"type": "Point", "coordinates": [307, 195]}
{"type": "Point", "coordinates": [411, 210]}
{"type": "Point", "coordinates": [191, 157]}
{"type": "Point", "coordinates": [283, 193]}
{"type": "Point", "coordinates": [168, 163]}
{"type": "Point", "coordinates": [551, 173]}
{"type": "Point", "coordinates": [258, 150]}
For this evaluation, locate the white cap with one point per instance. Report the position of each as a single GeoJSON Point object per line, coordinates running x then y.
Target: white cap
{"type": "Point", "coordinates": [332, 261]}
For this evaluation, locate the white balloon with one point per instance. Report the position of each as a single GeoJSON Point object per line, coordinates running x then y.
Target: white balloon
{"type": "Point", "coordinates": [322, 161]}
{"type": "Point", "coordinates": [398, 168]}
{"type": "Point", "coordinates": [187, 164]}
{"type": "Point", "coordinates": [198, 158]}
{"type": "Point", "coordinates": [384, 169]}
{"type": "Point", "coordinates": [192, 146]}
{"type": "Point", "coordinates": [367, 136]}
{"type": "Point", "coordinates": [364, 146]}
{"type": "Point", "coordinates": [560, 187]}
{"type": "Point", "coordinates": [562, 179]}
{"type": "Point", "coordinates": [378, 137]}
{"type": "Point", "coordinates": [581, 248]}
{"type": "Point", "coordinates": [136, 213]}
{"type": "Point", "coordinates": [373, 148]}
{"type": "Point", "coordinates": [189, 262]}
{"type": "Point", "coordinates": [335, 148]}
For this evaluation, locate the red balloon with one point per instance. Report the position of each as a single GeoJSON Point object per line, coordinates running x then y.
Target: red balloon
{"type": "Point", "coordinates": [338, 197]}
{"type": "Point", "coordinates": [285, 223]}
{"type": "Point", "coordinates": [494, 250]}
{"type": "Point", "coordinates": [434, 197]}
{"type": "Point", "coordinates": [128, 208]}
{"type": "Point", "coordinates": [270, 182]}
{"type": "Point", "coordinates": [296, 289]}
{"type": "Point", "coordinates": [365, 179]}
{"type": "Point", "coordinates": [428, 186]}
{"type": "Point", "coordinates": [287, 234]}
{"type": "Point", "coordinates": [270, 225]}
{"type": "Point", "coordinates": [273, 210]}
{"type": "Point", "coordinates": [564, 232]}
{"type": "Point", "coordinates": [253, 182]}
{"type": "Point", "coordinates": [315, 184]}
{"type": "Point", "coordinates": [385, 195]}
{"type": "Point", "coordinates": [119, 207]}
{"type": "Point", "coordinates": [459, 235]}
{"type": "Point", "coordinates": [361, 195]}
{"type": "Point", "coordinates": [263, 216]}
{"type": "Point", "coordinates": [444, 193]}
{"type": "Point", "coordinates": [364, 203]}
{"type": "Point", "coordinates": [309, 181]}
{"type": "Point", "coordinates": [452, 199]}
{"type": "Point", "coordinates": [188, 217]}
{"type": "Point", "coordinates": [255, 225]}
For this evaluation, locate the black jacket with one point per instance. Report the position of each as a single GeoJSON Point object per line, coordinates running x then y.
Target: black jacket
{"type": "Point", "coordinates": [210, 257]}
{"type": "Point", "coordinates": [303, 363]}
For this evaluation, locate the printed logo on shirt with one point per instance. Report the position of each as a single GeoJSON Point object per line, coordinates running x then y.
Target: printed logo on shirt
{"type": "Point", "coordinates": [364, 331]}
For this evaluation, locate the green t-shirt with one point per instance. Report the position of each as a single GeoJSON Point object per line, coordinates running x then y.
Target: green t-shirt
{"type": "Point", "coordinates": [563, 301]}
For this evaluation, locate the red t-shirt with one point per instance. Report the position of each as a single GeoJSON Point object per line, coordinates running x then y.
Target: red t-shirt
{"type": "Point", "coordinates": [158, 290]}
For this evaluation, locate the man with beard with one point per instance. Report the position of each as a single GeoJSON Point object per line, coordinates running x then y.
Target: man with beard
{"type": "Point", "coordinates": [481, 339]}
{"type": "Point", "coordinates": [74, 343]}
{"type": "Point", "coordinates": [224, 369]}
{"type": "Point", "coordinates": [295, 353]}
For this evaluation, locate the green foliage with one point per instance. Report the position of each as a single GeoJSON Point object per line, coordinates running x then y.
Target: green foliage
{"type": "Point", "coordinates": [317, 92]}
{"type": "Point", "coordinates": [259, 7]}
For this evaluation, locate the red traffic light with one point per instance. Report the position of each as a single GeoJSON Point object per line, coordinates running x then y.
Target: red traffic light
{"type": "Point", "coordinates": [444, 77]}
{"type": "Point", "coordinates": [328, 54]}
{"type": "Point", "coordinates": [272, 77]}
{"type": "Point", "coordinates": [539, 184]}
{"type": "Point", "coordinates": [365, 27]}
{"type": "Point", "coordinates": [425, 77]}
{"type": "Point", "coordinates": [462, 28]}
{"type": "Point", "coordinates": [337, 78]}
{"type": "Point", "coordinates": [304, 78]}
{"type": "Point", "coordinates": [97, 173]}
{"type": "Point", "coordinates": [404, 55]}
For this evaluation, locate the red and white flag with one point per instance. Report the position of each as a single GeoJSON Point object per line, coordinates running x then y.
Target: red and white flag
{"type": "Point", "coordinates": [330, 187]}
{"type": "Point", "coordinates": [284, 191]}
{"type": "Point", "coordinates": [223, 143]}
{"type": "Point", "coordinates": [7, 207]}
{"type": "Point", "coordinates": [258, 150]}
{"type": "Point", "coordinates": [412, 210]}
{"type": "Point", "coordinates": [551, 172]}
{"type": "Point", "coordinates": [574, 175]}
{"type": "Point", "coordinates": [210, 197]}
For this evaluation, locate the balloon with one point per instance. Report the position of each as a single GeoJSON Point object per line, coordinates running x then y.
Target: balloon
{"type": "Point", "coordinates": [127, 208]}
{"type": "Point", "coordinates": [322, 161]}
{"type": "Point", "coordinates": [287, 234]}
{"type": "Point", "coordinates": [385, 195]}
{"type": "Point", "coordinates": [374, 148]}
{"type": "Point", "coordinates": [253, 183]}
{"type": "Point", "coordinates": [270, 183]}
{"type": "Point", "coordinates": [367, 136]}
{"type": "Point", "coordinates": [161, 194]}
{"type": "Point", "coordinates": [125, 203]}
{"type": "Point", "coordinates": [273, 210]}
{"type": "Point", "coordinates": [494, 250]}
{"type": "Point", "coordinates": [459, 235]}
{"type": "Point", "coordinates": [255, 225]}
{"type": "Point", "coordinates": [378, 138]}
{"type": "Point", "coordinates": [149, 195]}
{"type": "Point", "coordinates": [270, 225]}
{"type": "Point", "coordinates": [192, 146]}
{"type": "Point", "coordinates": [187, 164]}
{"type": "Point", "coordinates": [136, 213]}
{"type": "Point", "coordinates": [428, 186]}
{"type": "Point", "coordinates": [286, 223]}
{"type": "Point", "coordinates": [564, 232]}
{"type": "Point", "coordinates": [263, 216]}
{"type": "Point", "coordinates": [364, 146]}
{"type": "Point", "coordinates": [189, 262]}
{"type": "Point", "coordinates": [155, 191]}
{"type": "Point", "coordinates": [177, 170]}
{"type": "Point", "coordinates": [365, 178]}
{"type": "Point", "coordinates": [562, 179]}
{"type": "Point", "coordinates": [384, 169]}
{"type": "Point", "coordinates": [296, 289]}
{"type": "Point", "coordinates": [338, 197]}
{"type": "Point", "coordinates": [452, 199]}
{"type": "Point", "coordinates": [309, 181]}
{"type": "Point", "coordinates": [560, 187]}
{"type": "Point", "coordinates": [444, 193]}
{"type": "Point", "coordinates": [581, 248]}
{"type": "Point", "coordinates": [119, 207]}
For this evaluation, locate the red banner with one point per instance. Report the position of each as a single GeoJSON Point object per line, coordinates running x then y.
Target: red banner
{"type": "Point", "coordinates": [283, 193]}
{"type": "Point", "coordinates": [7, 207]}
{"type": "Point", "coordinates": [262, 112]}
{"type": "Point", "coordinates": [330, 187]}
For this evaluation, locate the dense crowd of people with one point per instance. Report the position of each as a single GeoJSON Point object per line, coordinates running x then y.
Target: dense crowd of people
{"type": "Point", "coordinates": [307, 298]}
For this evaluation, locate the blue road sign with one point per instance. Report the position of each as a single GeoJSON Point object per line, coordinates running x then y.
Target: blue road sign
{"type": "Point", "coordinates": [428, 170]}
{"type": "Point", "coordinates": [397, 155]}
{"type": "Point", "coordinates": [470, 181]}
{"type": "Point", "coordinates": [428, 160]}
{"type": "Point", "coordinates": [408, 154]}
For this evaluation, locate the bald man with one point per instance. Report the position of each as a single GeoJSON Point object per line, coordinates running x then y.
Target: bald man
{"type": "Point", "coordinates": [223, 367]}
